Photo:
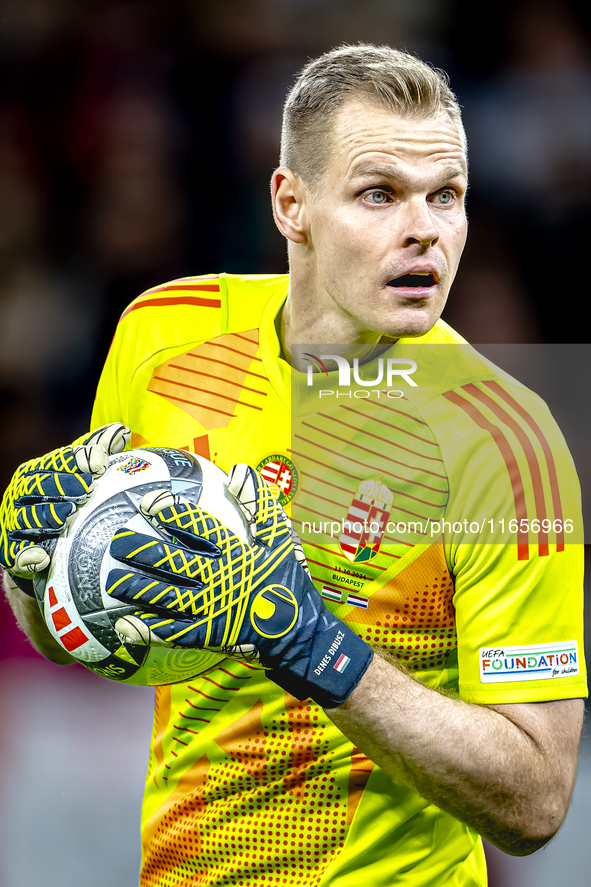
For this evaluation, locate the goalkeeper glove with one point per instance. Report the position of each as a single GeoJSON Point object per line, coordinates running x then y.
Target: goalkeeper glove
{"type": "Point", "coordinates": [44, 492]}
{"type": "Point", "coordinates": [206, 588]}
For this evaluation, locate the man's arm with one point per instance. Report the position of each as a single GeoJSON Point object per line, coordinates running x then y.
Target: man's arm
{"type": "Point", "coordinates": [507, 771]}
{"type": "Point", "coordinates": [30, 620]}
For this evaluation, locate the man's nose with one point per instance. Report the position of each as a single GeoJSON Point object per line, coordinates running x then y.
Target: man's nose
{"type": "Point", "coordinates": [419, 224]}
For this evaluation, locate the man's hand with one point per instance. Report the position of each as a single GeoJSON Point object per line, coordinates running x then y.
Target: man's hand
{"type": "Point", "coordinates": [45, 491]}
{"type": "Point", "coordinates": [206, 588]}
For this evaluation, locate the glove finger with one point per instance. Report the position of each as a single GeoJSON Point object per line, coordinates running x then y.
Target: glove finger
{"type": "Point", "coordinates": [224, 560]}
{"type": "Point", "coordinates": [254, 496]}
{"type": "Point", "coordinates": [158, 558]}
{"type": "Point", "coordinates": [266, 518]}
{"type": "Point", "coordinates": [244, 484]}
{"type": "Point", "coordinates": [30, 559]}
{"type": "Point", "coordinates": [135, 588]}
{"type": "Point", "coordinates": [35, 487]}
{"type": "Point", "coordinates": [194, 527]}
{"type": "Point", "coordinates": [61, 461]}
{"type": "Point", "coordinates": [92, 450]}
{"type": "Point", "coordinates": [133, 630]}
{"type": "Point", "coordinates": [155, 501]}
{"type": "Point", "coordinates": [92, 459]}
{"type": "Point", "coordinates": [151, 629]}
{"type": "Point", "coordinates": [112, 438]}
{"type": "Point", "coordinates": [43, 519]}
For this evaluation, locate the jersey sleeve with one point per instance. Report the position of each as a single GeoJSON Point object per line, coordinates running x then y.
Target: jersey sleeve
{"type": "Point", "coordinates": [513, 539]}
{"type": "Point", "coordinates": [163, 321]}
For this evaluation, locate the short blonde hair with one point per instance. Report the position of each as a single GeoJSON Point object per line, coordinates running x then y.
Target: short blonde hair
{"type": "Point", "coordinates": [384, 76]}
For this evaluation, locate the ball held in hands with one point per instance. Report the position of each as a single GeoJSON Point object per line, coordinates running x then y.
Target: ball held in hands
{"type": "Point", "coordinates": [201, 586]}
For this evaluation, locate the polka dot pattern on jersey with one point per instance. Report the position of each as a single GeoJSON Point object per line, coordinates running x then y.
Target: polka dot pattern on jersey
{"type": "Point", "coordinates": [235, 823]}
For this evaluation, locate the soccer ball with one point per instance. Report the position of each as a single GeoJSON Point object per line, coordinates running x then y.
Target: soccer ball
{"type": "Point", "coordinates": [79, 613]}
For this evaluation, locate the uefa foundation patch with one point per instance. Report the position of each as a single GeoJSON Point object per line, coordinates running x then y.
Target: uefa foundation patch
{"type": "Point", "coordinates": [530, 662]}
{"type": "Point", "coordinates": [281, 475]}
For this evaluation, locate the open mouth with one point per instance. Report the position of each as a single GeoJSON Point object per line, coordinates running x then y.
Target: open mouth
{"type": "Point", "coordinates": [413, 281]}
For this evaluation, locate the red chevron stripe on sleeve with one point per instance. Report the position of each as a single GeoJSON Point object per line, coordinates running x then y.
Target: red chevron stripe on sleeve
{"type": "Point", "coordinates": [521, 411]}
{"type": "Point", "coordinates": [510, 461]}
{"type": "Point", "coordinates": [530, 455]}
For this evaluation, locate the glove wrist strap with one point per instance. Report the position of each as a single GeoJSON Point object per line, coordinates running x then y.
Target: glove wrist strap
{"type": "Point", "coordinates": [330, 669]}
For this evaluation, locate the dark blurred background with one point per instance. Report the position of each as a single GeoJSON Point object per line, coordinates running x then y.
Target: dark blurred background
{"type": "Point", "coordinates": [137, 141]}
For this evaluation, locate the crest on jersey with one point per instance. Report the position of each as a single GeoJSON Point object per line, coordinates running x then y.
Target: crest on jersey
{"type": "Point", "coordinates": [365, 524]}
{"type": "Point", "coordinates": [281, 475]}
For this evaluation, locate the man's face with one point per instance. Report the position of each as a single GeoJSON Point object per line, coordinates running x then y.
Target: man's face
{"type": "Point", "coordinates": [386, 232]}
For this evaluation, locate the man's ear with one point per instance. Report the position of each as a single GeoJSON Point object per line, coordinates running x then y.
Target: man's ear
{"type": "Point", "coordinates": [289, 197]}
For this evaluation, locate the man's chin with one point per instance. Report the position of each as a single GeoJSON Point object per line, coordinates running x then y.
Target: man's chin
{"type": "Point", "coordinates": [409, 326]}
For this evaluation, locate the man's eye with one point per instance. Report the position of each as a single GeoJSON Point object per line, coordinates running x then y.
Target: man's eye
{"type": "Point", "coordinates": [446, 197]}
{"type": "Point", "coordinates": [377, 197]}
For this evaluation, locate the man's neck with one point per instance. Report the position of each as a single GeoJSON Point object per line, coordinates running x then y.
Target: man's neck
{"type": "Point", "coordinates": [317, 332]}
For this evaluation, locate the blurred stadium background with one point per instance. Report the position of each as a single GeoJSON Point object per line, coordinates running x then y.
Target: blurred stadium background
{"type": "Point", "coordinates": [137, 140]}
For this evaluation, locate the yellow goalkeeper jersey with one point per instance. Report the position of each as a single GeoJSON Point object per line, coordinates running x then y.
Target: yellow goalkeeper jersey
{"type": "Point", "coordinates": [441, 520]}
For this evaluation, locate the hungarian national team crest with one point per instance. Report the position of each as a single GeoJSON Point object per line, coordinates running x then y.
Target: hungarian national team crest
{"type": "Point", "coordinates": [281, 475]}
{"type": "Point", "coordinates": [365, 524]}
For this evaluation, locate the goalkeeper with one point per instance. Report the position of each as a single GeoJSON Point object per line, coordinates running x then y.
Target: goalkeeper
{"type": "Point", "coordinates": [379, 747]}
